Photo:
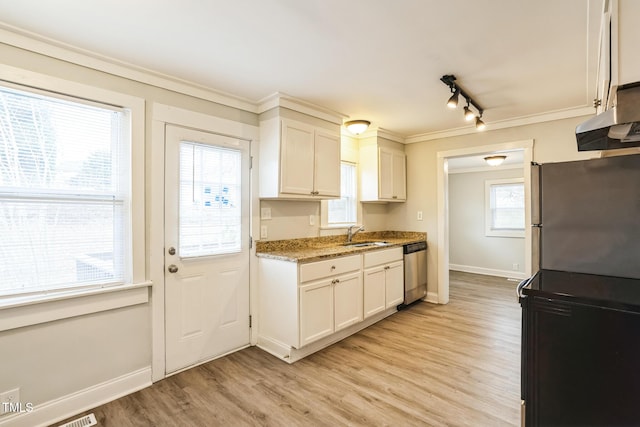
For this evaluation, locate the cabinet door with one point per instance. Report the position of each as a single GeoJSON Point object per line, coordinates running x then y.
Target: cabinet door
{"type": "Point", "coordinates": [394, 284]}
{"type": "Point", "coordinates": [374, 291]}
{"type": "Point", "coordinates": [297, 158]}
{"type": "Point", "coordinates": [385, 174]}
{"type": "Point", "coordinates": [327, 163]}
{"type": "Point", "coordinates": [399, 176]}
{"type": "Point", "coordinates": [347, 297]}
{"type": "Point", "coordinates": [316, 311]}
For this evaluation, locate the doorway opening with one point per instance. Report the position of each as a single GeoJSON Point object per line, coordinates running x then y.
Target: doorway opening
{"type": "Point", "coordinates": [444, 158]}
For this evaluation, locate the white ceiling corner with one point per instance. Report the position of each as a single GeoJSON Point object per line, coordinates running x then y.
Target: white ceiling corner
{"type": "Point", "coordinates": [523, 61]}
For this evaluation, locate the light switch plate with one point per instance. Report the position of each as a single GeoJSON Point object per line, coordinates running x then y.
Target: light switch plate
{"type": "Point", "coordinates": [265, 213]}
{"type": "Point", "coordinates": [419, 215]}
{"type": "Point", "coordinates": [312, 220]}
{"type": "Point", "coordinates": [263, 232]}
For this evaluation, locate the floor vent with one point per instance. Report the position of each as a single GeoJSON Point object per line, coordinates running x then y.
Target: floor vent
{"type": "Point", "coordinates": [86, 421]}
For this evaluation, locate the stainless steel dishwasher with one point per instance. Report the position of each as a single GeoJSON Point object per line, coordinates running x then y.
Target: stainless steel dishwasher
{"type": "Point", "coordinates": [415, 272]}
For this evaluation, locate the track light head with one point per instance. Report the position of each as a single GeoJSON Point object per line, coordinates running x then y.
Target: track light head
{"type": "Point", "coordinates": [468, 114]}
{"type": "Point", "coordinates": [453, 101]}
{"type": "Point", "coordinates": [480, 124]}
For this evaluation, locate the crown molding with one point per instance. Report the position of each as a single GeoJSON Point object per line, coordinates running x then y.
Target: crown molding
{"type": "Point", "coordinates": [503, 124]}
{"type": "Point", "coordinates": [280, 99]}
{"type": "Point", "coordinates": [36, 43]}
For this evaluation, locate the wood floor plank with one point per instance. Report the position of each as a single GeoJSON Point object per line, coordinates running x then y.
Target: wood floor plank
{"type": "Point", "coordinates": [429, 365]}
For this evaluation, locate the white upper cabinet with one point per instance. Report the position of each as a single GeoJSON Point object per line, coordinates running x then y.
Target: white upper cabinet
{"type": "Point", "coordinates": [383, 174]}
{"type": "Point", "coordinates": [619, 62]}
{"type": "Point", "coordinates": [298, 160]}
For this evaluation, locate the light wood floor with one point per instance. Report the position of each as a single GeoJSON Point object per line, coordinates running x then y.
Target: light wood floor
{"type": "Point", "coordinates": [429, 365]}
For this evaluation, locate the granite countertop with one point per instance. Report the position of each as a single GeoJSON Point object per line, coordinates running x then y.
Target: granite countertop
{"type": "Point", "coordinates": [318, 248]}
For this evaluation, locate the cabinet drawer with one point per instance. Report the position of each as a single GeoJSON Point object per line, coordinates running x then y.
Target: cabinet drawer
{"type": "Point", "coordinates": [331, 267]}
{"type": "Point", "coordinates": [382, 257]}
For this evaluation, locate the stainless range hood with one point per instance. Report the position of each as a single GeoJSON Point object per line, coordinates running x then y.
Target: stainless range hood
{"type": "Point", "coordinates": [618, 127]}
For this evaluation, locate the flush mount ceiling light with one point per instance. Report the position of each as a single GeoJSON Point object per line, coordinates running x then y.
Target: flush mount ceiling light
{"type": "Point", "coordinates": [356, 127]}
{"type": "Point", "coordinates": [456, 90]}
{"type": "Point", "coordinates": [494, 160]}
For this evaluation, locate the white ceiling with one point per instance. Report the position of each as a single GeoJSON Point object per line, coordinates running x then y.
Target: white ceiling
{"type": "Point", "coordinates": [380, 60]}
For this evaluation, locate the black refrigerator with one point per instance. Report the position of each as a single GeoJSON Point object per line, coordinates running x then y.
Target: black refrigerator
{"type": "Point", "coordinates": [581, 310]}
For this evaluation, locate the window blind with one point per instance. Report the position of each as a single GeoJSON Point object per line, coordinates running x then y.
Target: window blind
{"type": "Point", "coordinates": [64, 193]}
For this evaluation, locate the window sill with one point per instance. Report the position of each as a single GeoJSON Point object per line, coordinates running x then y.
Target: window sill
{"type": "Point", "coordinates": [20, 311]}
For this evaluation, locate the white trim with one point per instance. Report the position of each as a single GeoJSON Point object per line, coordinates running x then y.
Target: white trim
{"type": "Point", "coordinates": [488, 271]}
{"type": "Point", "coordinates": [30, 312]}
{"type": "Point", "coordinates": [45, 46]}
{"type": "Point", "coordinates": [492, 232]}
{"type": "Point", "coordinates": [59, 409]}
{"type": "Point", "coordinates": [161, 116]}
{"type": "Point", "coordinates": [432, 297]}
{"type": "Point", "coordinates": [442, 183]}
{"type": "Point", "coordinates": [486, 168]}
{"type": "Point", "coordinates": [280, 99]}
{"type": "Point", "coordinates": [502, 124]}
{"type": "Point", "coordinates": [380, 132]}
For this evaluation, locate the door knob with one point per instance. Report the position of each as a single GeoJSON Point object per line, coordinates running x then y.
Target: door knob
{"type": "Point", "coordinates": [173, 268]}
{"type": "Point", "coordinates": [172, 251]}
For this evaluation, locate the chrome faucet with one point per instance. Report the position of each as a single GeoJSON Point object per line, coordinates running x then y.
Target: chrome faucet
{"type": "Point", "coordinates": [351, 233]}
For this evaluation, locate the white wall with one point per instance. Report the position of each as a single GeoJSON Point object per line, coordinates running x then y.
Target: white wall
{"type": "Point", "coordinates": [60, 359]}
{"type": "Point", "coordinates": [470, 249]}
{"type": "Point", "coordinates": [553, 141]}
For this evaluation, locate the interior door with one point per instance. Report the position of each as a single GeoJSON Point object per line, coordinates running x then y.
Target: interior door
{"type": "Point", "coordinates": [206, 246]}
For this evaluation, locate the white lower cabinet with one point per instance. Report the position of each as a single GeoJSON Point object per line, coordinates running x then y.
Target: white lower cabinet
{"type": "Point", "coordinates": [305, 307]}
{"type": "Point", "coordinates": [329, 305]}
{"type": "Point", "coordinates": [383, 280]}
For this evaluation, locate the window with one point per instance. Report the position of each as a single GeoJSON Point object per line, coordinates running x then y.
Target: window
{"type": "Point", "coordinates": [64, 193]}
{"type": "Point", "coordinates": [210, 211]}
{"type": "Point", "coordinates": [504, 207]}
{"type": "Point", "coordinates": [345, 210]}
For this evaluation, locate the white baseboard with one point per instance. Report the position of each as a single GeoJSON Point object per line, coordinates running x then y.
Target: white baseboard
{"type": "Point", "coordinates": [488, 271]}
{"type": "Point", "coordinates": [59, 409]}
{"type": "Point", "coordinates": [432, 297]}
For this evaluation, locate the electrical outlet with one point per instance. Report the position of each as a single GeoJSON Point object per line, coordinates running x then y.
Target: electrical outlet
{"type": "Point", "coordinates": [9, 400]}
{"type": "Point", "coordinates": [516, 266]}
{"type": "Point", "coordinates": [263, 232]}
{"type": "Point", "coordinates": [312, 220]}
{"type": "Point", "coordinates": [419, 215]}
{"type": "Point", "coordinates": [265, 213]}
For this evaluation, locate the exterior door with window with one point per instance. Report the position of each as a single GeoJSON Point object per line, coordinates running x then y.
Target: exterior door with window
{"type": "Point", "coordinates": [206, 246]}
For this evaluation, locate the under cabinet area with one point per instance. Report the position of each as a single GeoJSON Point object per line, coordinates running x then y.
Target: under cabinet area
{"type": "Point", "coordinates": [383, 280]}
{"type": "Point", "coordinates": [299, 160]}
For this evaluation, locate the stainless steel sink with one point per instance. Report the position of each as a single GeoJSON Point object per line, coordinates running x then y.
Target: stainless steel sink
{"type": "Point", "coordinates": [363, 244]}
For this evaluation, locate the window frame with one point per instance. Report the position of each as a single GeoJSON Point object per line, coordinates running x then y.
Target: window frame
{"type": "Point", "coordinates": [324, 206]}
{"type": "Point", "coordinates": [501, 232]}
{"type": "Point", "coordinates": [135, 244]}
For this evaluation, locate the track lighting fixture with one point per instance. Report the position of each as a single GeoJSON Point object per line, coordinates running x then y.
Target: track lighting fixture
{"type": "Point", "coordinates": [469, 115]}
{"type": "Point", "coordinates": [453, 101]}
{"type": "Point", "coordinates": [356, 127]}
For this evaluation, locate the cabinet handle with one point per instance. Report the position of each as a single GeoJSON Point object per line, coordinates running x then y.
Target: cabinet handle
{"type": "Point", "coordinates": [333, 267]}
{"type": "Point", "coordinates": [386, 267]}
{"type": "Point", "coordinates": [336, 281]}
{"type": "Point", "coordinates": [394, 197]}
